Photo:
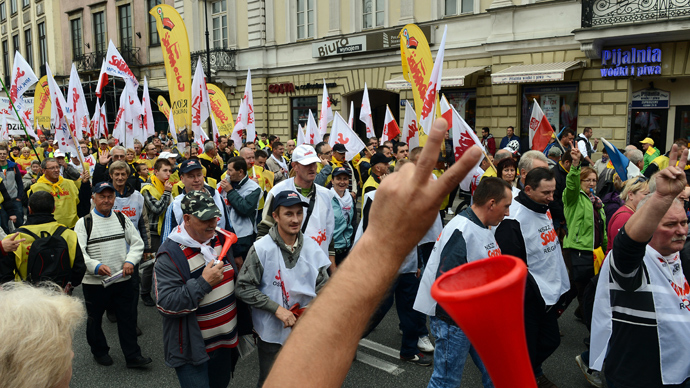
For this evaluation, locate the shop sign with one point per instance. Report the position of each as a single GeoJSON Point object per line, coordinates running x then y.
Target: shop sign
{"type": "Point", "coordinates": [524, 78]}
{"type": "Point", "coordinates": [634, 62]}
{"type": "Point", "coordinates": [650, 99]}
{"type": "Point", "coordinates": [316, 86]}
{"type": "Point", "coordinates": [373, 41]}
{"type": "Point", "coordinates": [286, 87]}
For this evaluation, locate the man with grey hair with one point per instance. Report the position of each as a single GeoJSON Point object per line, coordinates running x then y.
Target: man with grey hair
{"type": "Point", "coordinates": [642, 293]}
{"type": "Point", "coordinates": [101, 171]}
{"type": "Point", "coordinates": [528, 161]}
{"type": "Point", "coordinates": [211, 161]}
{"type": "Point", "coordinates": [636, 157]}
{"type": "Point", "coordinates": [554, 156]}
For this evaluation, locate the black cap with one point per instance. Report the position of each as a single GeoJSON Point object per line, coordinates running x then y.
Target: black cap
{"type": "Point", "coordinates": [339, 148]}
{"type": "Point", "coordinates": [287, 198]}
{"type": "Point", "coordinates": [103, 186]}
{"type": "Point", "coordinates": [340, 171]}
{"type": "Point", "coordinates": [190, 165]}
{"type": "Point", "coordinates": [379, 158]}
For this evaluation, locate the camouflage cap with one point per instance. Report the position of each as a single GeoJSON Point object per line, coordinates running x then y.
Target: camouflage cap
{"type": "Point", "coordinates": [200, 205]}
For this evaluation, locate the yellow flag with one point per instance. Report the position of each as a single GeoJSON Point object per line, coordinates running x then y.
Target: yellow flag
{"type": "Point", "coordinates": [163, 106]}
{"type": "Point", "coordinates": [416, 62]}
{"type": "Point", "coordinates": [178, 64]}
{"type": "Point", "coordinates": [42, 104]}
{"type": "Point", "coordinates": [221, 110]}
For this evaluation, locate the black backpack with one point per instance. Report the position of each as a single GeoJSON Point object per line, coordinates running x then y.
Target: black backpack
{"type": "Point", "coordinates": [88, 223]}
{"type": "Point", "coordinates": [49, 258]}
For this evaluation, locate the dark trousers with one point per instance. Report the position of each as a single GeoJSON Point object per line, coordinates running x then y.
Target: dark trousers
{"type": "Point", "coordinates": [451, 197]}
{"type": "Point", "coordinates": [541, 330]}
{"type": "Point", "coordinates": [214, 373]}
{"type": "Point", "coordinates": [121, 297]}
{"type": "Point", "coordinates": [412, 322]}
{"type": "Point", "coordinates": [147, 273]}
{"type": "Point", "coordinates": [267, 356]}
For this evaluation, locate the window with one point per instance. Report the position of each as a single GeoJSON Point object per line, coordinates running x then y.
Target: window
{"type": "Point", "coordinates": [220, 24]}
{"type": "Point", "coordinates": [42, 48]}
{"type": "Point", "coordinates": [125, 17]}
{"type": "Point", "coordinates": [300, 112]}
{"type": "Point", "coordinates": [5, 57]}
{"type": "Point", "coordinates": [457, 7]}
{"type": "Point", "coordinates": [13, 7]}
{"type": "Point", "coordinates": [15, 43]}
{"type": "Point", "coordinates": [465, 102]}
{"type": "Point", "coordinates": [372, 13]}
{"type": "Point", "coordinates": [75, 27]}
{"type": "Point", "coordinates": [154, 39]}
{"type": "Point", "coordinates": [559, 103]}
{"type": "Point", "coordinates": [29, 48]}
{"type": "Point", "coordinates": [99, 33]}
{"type": "Point", "coordinates": [305, 19]}
{"type": "Point", "coordinates": [26, 3]}
{"type": "Point", "coordinates": [3, 12]}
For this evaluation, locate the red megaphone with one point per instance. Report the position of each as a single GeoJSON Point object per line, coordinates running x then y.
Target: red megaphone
{"type": "Point", "coordinates": [486, 299]}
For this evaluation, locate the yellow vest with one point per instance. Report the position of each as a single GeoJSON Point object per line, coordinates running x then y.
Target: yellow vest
{"type": "Point", "coordinates": [66, 203]}
{"type": "Point", "coordinates": [22, 253]}
{"type": "Point", "coordinates": [371, 182]}
{"type": "Point", "coordinates": [25, 163]}
{"type": "Point", "coordinates": [149, 163]}
{"type": "Point", "coordinates": [206, 157]}
{"type": "Point", "coordinates": [179, 186]}
{"type": "Point", "coordinates": [359, 162]}
{"type": "Point", "coordinates": [444, 204]}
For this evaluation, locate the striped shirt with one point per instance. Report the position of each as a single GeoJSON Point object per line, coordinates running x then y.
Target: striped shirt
{"type": "Point", "coordinates": [217, 312]}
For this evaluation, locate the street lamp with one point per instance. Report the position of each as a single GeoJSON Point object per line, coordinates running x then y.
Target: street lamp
{"type": "Point", "coordinates": [208, 52]}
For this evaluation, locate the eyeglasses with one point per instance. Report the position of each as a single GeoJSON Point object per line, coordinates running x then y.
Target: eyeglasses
{"type": "Point", "coordinates": [118, 157]}
{"type": "Point", "coordinates": [53, 168]}
{"type": "Point", "coordinates": [640, 179]}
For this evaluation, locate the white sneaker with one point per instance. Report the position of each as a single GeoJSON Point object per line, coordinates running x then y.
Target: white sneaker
{"type": "Point", "coordinates": [592, 376]}
{"type": "Point", "coordinates": [450, 212]}
{"type": "Point", "coordinates": [424, 344]}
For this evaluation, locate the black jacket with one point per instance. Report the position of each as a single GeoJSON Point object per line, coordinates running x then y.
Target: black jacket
{"type": "Point", "coordinates": [101, 174]}
{"type": "Point", "coordinates": [556, 206]}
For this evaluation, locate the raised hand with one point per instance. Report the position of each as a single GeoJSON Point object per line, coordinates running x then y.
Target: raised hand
{"type": "Point", "coordinates": [575, 154]}
{"type": "Point", "coordinates": [671, 181]}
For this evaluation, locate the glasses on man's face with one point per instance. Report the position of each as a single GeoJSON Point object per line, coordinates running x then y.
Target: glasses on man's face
{"type": "Point", "coordinates": [53, 168]}
{"type": "Point", "coordinates": [118, 157]}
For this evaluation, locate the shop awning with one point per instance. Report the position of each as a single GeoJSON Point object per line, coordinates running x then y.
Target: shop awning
{"type": "Point", "coordinates": [449, 78]}
{"type": "Point", "coordinates": [543, 72]}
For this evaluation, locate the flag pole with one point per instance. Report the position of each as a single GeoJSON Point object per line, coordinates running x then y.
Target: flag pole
{"type": "Point", "coordinates": [21, 123]}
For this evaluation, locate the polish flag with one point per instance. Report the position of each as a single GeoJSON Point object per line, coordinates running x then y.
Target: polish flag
{"type": "Point", "coordinates": [342, 133]}
{"type": "Point", "coordinates": [326, 111]}
{"type": "Point", "coordinates": [390, 127]}
{"type": "Point", "coordinates": [103, 128]}
{"type": "Point", "coordinates": [410, 131]}
{"type": "Point", "coordinates": [429, 108]}
{"type": "Point", "coordinates": [351, 120]}
{"type": "Point", "coordinates": [245, 116]}
{"type": "Point", "coordinates": [312, 134]}
{"type": "Point", "coordinates": [365, 113]}
{"type": "Point", "coordinates": [102, 80]}
{"type": "Point", "coordinates": [147, 112]}
{"type": "Point", "coordinates": [76, 104]}
{"type": "Point", "coordinates": [540, 130]}
{"type": "Point", "coordinates": [463, 139]}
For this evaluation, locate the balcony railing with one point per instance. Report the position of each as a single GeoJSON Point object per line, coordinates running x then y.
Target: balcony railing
{"type": "Point", "coordinates": [93, 61]}
{"type": "Point", "coordinates": [221, 59]}
{"type": "Point", "coordinates": [613, 12]}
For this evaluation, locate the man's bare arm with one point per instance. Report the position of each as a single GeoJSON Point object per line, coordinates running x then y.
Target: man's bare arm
{"type": "Point", "coordinates": [669, 183]}
{"type": "Point", "coordinates": [322, 345]}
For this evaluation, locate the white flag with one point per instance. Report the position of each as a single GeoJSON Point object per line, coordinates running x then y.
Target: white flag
{"type": "Point", "coordinates": [76, 104]}
{"type": "Point", "coordinates": [341, 133]}
{"type": "Point", "coordinates": [116, 66]}
{"type": "Point", "coordinates": [200, 106]}
{"type": "Point", "coordinates": [63, 132]}
{"type": "Point", "coordinates": [312, 134]}
{"type": "Point", "coordinates": [300, 136]}
{"type": "Point", "coordinates": [365, 114]}
{"type": "Point", "coordinates": [23, 77]}
{"type": "Point", "coordinates": [95, 120]}
{"type": "Point", "coordinates": [103, 128]}
{"type": "Point", "coordinates": [351, 120]}
{"type": "Point", "coordinates": [463, 139]}
{"type": "Point", "coordinates": [147, 112]}
{"type": "Point", "coordinates": [410, 130]}
{"type": "Point", "coordinates": [326, 111]}
{"type": "Point", "coordinates": [4, 131]}
{"type": "Point", "coordinates": [428, 109]}
{"type": "Point", "coordinates": [173, 131]}
{"type": "Point", "coordinates": [245, 115]}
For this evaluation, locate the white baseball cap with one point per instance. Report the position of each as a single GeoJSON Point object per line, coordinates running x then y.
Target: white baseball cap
{"type": "Point", "coordinates": [59, 154]}
{"type": "Point", "coordinates": [166, 154]}
{"type": "Point", "coordinates": [305, 155]}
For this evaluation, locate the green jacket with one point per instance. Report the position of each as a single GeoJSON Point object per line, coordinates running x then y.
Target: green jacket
{"type": "Point", "coordinates": [579, 215]}
{"type": "Point", "coordinates": [651, 154]}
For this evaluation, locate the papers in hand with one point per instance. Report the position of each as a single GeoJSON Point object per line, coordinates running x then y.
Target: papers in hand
{"type": "Point", "coordinates": [114, 278]}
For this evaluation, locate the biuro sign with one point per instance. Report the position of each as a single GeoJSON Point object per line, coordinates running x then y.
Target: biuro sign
{"type": "Point", "coordinates": [633, 62]}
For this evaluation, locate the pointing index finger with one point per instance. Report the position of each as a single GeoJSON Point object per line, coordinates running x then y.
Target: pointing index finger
{"type": "Point", "coordinates": [429, 156]}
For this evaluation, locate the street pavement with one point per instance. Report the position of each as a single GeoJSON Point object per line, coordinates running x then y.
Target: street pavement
{"type": "Point", "coordinates": [377, 363]}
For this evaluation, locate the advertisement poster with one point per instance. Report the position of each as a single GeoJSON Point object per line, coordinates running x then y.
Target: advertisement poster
{"type": "Point", "coordinates": [549, 104]}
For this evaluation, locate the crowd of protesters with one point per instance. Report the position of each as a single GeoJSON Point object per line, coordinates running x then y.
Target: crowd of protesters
{"type": "Point", "coordinates": [232, 242]}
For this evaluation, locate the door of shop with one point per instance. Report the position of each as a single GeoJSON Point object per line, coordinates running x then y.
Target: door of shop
{"type": "Point", "coordinates": [649, 123]}
{"type": "Point", "coordinates": [378, 100]}
{"type": "Point", "coordinates": [682, 127]}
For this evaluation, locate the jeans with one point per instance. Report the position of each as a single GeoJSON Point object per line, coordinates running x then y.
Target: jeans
{"type": "Point", "coordinates": [452, 347]}
{"type": "Point", "coordinates": [121, 297]}
{"type": "Point", "coordinates": [412, 322]}
{"type": "Point", "coordinates": [214, 373]}
{"type": "Point", "coordinates": [267, 356]}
